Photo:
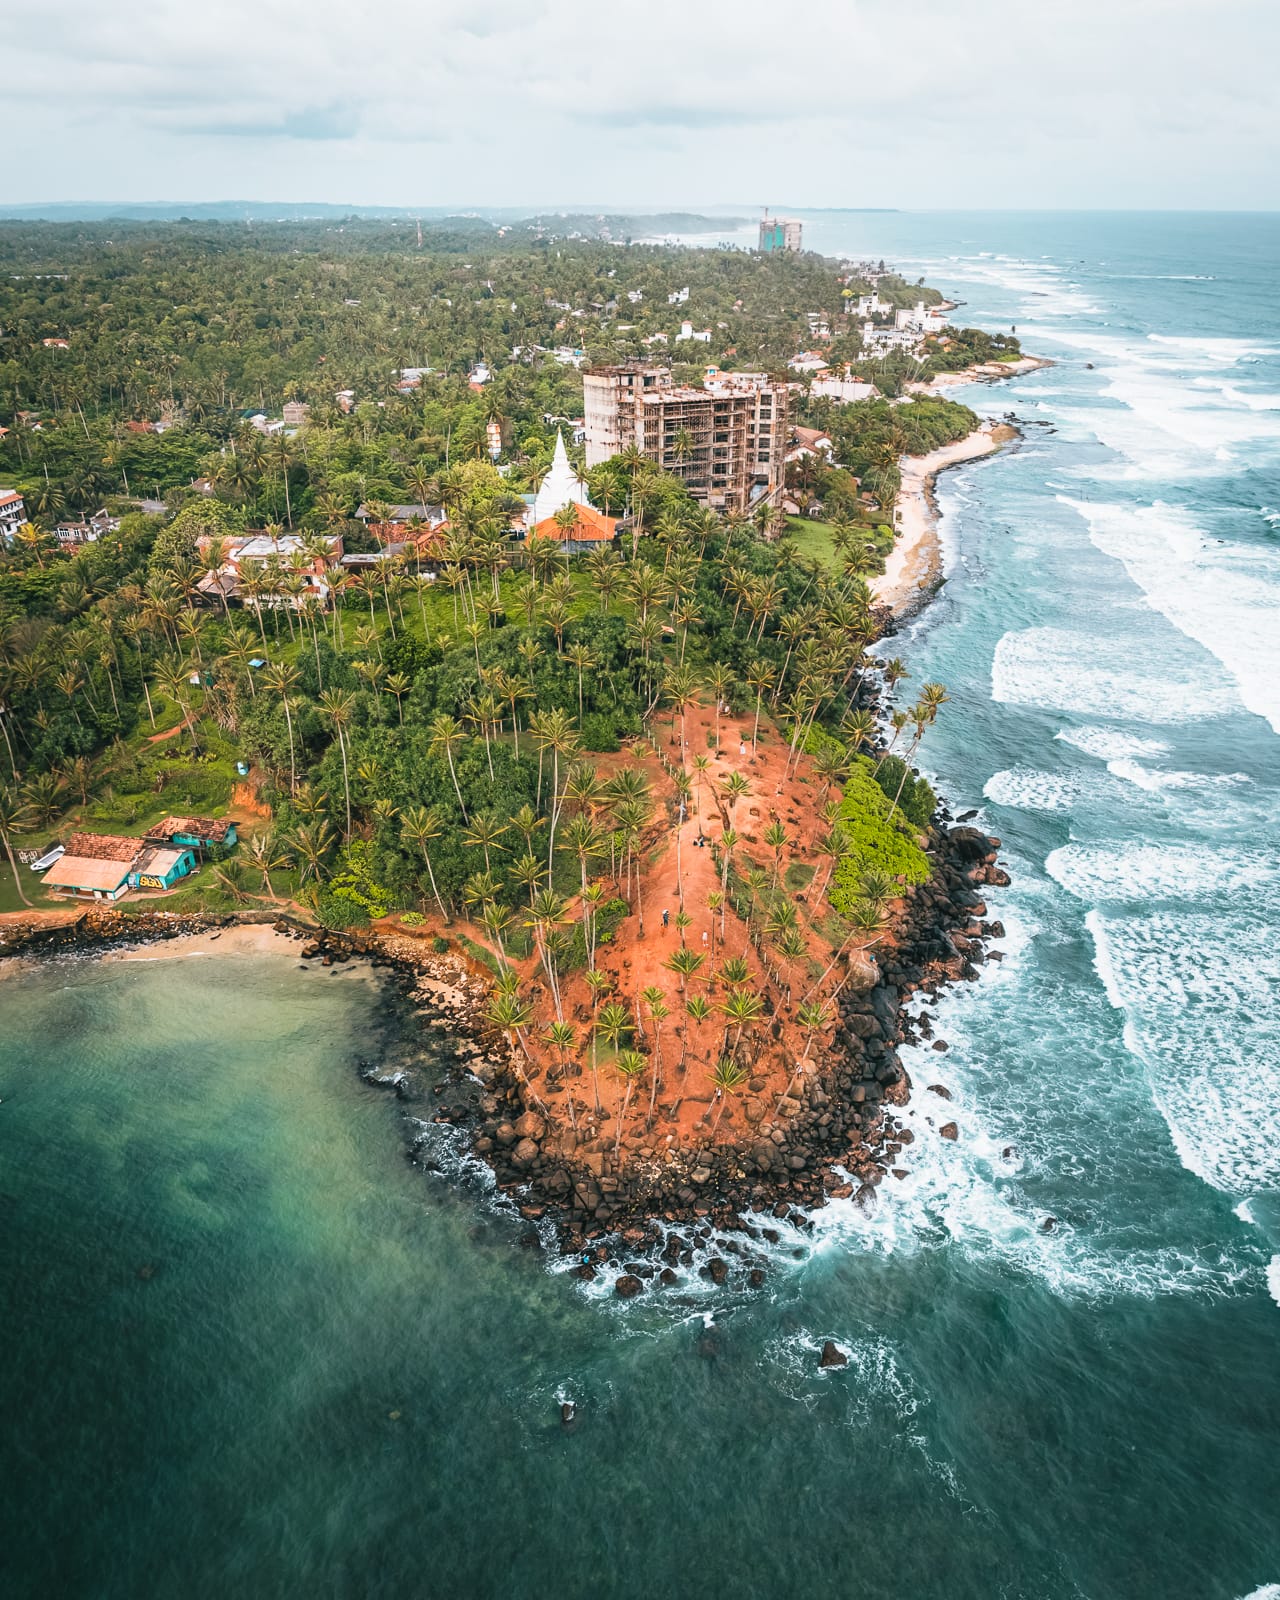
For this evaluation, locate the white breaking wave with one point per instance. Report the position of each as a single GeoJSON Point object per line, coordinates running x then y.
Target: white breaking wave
{"type": "Point", "coordinates": [1132, 872]}
{"type": "Point", "coordinates": [1156, 782]}
{"type": "Point", "coordinates": [1273, 1283]}
{"type": "Point", "coordinates": [1060, 670]}
{"type": "Point", "coordinates": [1111, 744]}
{"type": "Point", "coordinates": [1031, 790]}
{"type": "Point", "coordinates": [1227, 598]}
{"type": "Point", "coordinates": [1201, 1000]}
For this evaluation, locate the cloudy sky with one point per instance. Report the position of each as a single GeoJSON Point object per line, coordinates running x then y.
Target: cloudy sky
{"type": "Point", "coordinates": [670, 102]}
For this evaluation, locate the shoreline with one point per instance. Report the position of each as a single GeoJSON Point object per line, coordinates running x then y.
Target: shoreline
{"type": "Point", "coordinates": [982, 372]}
{"type": "Point", "coordinates": [914, 568]}
{"type": "Point", "coordinates": [841, 1140]}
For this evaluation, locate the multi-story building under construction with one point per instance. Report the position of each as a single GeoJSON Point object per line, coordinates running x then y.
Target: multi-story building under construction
{"type": "Point", "coordinates": [727, 439]}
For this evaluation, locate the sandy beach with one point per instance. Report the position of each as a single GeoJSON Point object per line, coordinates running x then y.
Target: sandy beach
{"type": "Point", "coordinates": [245, 939]}
{"type": "Point", "coordinates": [914, 565]}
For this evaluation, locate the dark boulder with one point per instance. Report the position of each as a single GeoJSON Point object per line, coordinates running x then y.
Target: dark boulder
{"type": "Point", "coordinates": [627, 1286]}
{"type": "Point", "coordinates": [832, 1355]}
{"type": "Point", "coordinates": [970, 844]}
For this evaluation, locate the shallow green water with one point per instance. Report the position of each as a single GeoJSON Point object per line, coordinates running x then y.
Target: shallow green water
{"type": "Point", "coordinates": [224, 1424]}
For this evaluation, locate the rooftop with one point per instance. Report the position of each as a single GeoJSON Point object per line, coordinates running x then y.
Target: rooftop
{"type": "Point", "coordinates": [86, 872]}
{"type": "Point", "coordinates": [103, 846]}
{"type": "Point", "coordinates": [194, 827]}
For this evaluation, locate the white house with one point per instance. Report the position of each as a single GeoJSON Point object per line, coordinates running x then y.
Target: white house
{"type": "Point", "coordinates": [843, 388]}
{"type": "Point", "coordinates": [698, 336]}
{"type": "Point", "coordinates": [677, 297]}
{"type": "Point", "coordinates": [807, 361]}
{"type": "Point", "coordinates": [13, 513]}
{"type": "Point", "coordinates": [920, 319]}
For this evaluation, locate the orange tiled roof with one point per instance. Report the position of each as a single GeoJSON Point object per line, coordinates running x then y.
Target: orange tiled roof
{"type": "Point", "coordinates": [592, 525]}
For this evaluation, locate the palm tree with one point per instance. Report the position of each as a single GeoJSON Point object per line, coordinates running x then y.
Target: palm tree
{"type": "Point", "coordinates": [813, 1018]}
{"type": "Point", "coordinates": [483, 833]}
{"type": "Point", "coordinates": [283, 678]}
{"type": "Point", "coordinates": [597, 983]}
{"type": "Point", "coordinates": [775, 836]}
{"type": "Point", "coordinates": [399, 684]}
{"type": "Point", "coordinates": [15, 817]}
{"type": "Point", "coordinates": [728, 1077]}
{"type": "Point", "coordinates": [739, 1009]}
{"type": "Point", "coordinates": [446, 735]}
{"type": "Point", "coordinates": [546, 912]}
{"type": "Point", "coordinates": [311, 842]}
{"type": "Point", "coordinates": [630, 1065]}
{"type": "Point", "coordinates": [581, 657]}
{"type": "Point", "coordinates": [720, 682]}
{"type": "Point", "coordinates": [560, 1036]}
{"type": "Point", "coordinates": [419, 826]}
{"type": "Point", "coordinates": [554, 732]}
{"type": "Point", "coordinates": [267, 857]}
{"type": "Point", "coordinates": [655, 1003]}
{"type": "Point", "coordinates": [760, 678]}
{"type": "Point", "coordinates": [611, 1022]}
{"type": "Point", "coordinates": [44, 795]}
{"type": "Point", "coordinates": [511, 1015]}
{"type": "Point", "coordinates": [173, 683]}
{"type": "Point", "coordinates": [338, 705]}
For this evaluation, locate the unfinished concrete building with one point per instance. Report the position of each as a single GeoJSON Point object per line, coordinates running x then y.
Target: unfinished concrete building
{"type": "Point", "coordinates": [727, 439]}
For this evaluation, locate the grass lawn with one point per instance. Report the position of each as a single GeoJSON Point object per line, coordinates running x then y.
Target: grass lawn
{"type": "Point", "coordinates": [814, 541]}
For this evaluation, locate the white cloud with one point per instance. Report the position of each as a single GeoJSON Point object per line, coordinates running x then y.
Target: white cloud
{"type": "Point", "coordinates": [880, 102]}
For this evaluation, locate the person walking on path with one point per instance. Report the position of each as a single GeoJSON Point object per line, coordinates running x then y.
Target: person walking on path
{"type": "Point", "coordinates": [666, 919]}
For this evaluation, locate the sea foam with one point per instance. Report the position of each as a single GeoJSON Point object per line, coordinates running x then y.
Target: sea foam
{"type": "Point", "coordinates": [1201, 997]}
{"type": "Point", "coordinates": [1059, 669]}
{"type": "Point", "coordinates": [1226, 598]}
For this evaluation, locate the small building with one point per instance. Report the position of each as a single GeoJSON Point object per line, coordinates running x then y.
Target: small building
{"type": "Point", "coordinates": [96, 866]}
{"type": "Point", "coordinates": [69, 534]}
{"type": "Point", "coordinates": [199, 833]}
{"type": "Point", "coordinates": [13, 513]}
{"type": "Point", "coordinates": [55, 344]}
{"type": "Point", "coordinates": [433, 516]}
{"type": "Point", "coordinates": [160, 868]}
{"type": "Point", "coordinates": [295, 413]}
{"type": "Point", "coordinates": [845, 389]}
{"type": "Point", "coordinates": [809, 442]}
{"type": "Point", "coordinates": [591, 530]}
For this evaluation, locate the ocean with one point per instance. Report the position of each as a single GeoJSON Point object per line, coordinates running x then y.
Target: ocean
{"type": "Point", "coordinates": [251, 1348]}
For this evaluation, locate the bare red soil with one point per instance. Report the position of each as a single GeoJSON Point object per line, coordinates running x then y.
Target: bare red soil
{"type": "Point", "coordinates": [677, 873]}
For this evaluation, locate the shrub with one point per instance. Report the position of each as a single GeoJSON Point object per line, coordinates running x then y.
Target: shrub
{"type": "Point", "coordinates": [874, 841]}
{"type": "Point", "coordinates": [354, 885]}
{"type": "Point", "coordinates": [439, 944]}
{"type": "Point", "coordinates": [918, 801]}
{"type": "Point", "coordinates": [337, 912]}
{"type": "Point", "coordinates": [599, 734]}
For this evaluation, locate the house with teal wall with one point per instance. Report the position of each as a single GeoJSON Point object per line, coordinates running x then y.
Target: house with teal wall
{"type": "Point", "coordinates": [160, 868]}
{"type": "Point", "coordinates": [198, 833]}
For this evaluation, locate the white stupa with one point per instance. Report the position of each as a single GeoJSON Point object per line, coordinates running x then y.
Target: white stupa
{"type": "Point", "coordinates": [561, 487]}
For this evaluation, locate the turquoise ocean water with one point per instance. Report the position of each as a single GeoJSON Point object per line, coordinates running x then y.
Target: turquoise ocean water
{"type": "Point", "coordinates": [250, 1349]}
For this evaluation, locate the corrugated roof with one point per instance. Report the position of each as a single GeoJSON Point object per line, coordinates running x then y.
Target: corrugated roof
{"type": "Point", "coordinates": [85, 872]}
{"type": "Point", "coordinates": [158, 861]}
